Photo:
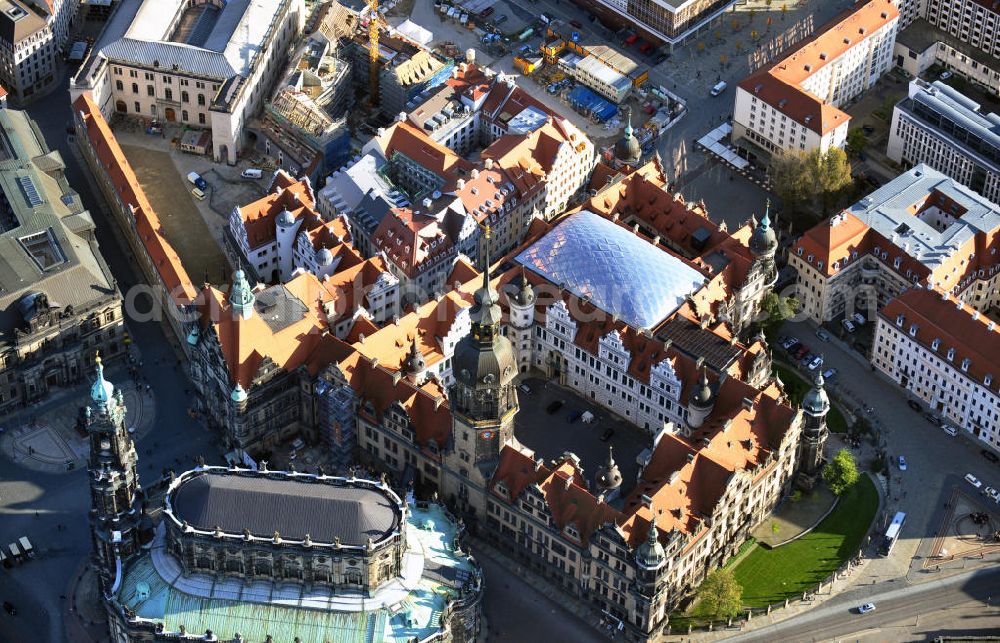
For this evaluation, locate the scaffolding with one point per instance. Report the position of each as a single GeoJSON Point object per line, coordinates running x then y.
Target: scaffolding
{"type": "Point", "coordinates": [337, 421]}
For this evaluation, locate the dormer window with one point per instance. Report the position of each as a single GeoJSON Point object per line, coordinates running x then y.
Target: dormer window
{"type": "Point", "coordinates": [965, 364]}
{"type": "Point", "coordinates": [809, 258]}
{"type": "Point", "coordinates": [798, 251]}
{"type": "Point", "coordinates": [987, 379]}
{"type": "Point", "coordinates": [819, 264]}
{"type": "Point", "coordinates": [899, 320]}
{"type": "Point", "coordinates": [913, 330]}
{"type": "Point", "coordinates": [951, 354]}
{"type": "Point", "coordinates": [935, 344]}
{"type": "Point", "coordinates": [897, 262]}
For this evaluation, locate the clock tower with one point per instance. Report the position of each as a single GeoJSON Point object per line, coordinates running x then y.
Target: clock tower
{"type": "Point", "coordinates": [484, 397]}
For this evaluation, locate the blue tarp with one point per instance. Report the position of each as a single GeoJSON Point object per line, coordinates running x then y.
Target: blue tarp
{"type": "Point", "coordinates": [583, 99]}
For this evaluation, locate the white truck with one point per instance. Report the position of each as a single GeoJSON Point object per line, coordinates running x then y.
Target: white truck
{"type": "Point", "coordinates": [719, 88]}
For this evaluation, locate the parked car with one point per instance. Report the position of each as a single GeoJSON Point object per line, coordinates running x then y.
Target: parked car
{"type": "Point", "coordinates": [487, 12]}
{"type": "Point", "coordinates": [554, 406]}
{"type": "Point", "coordinates": [801, 351]}
{"type": "Point", "coordinates": [867, 607]}
{"type": "Point", "coordinates": [992, 493]}
{"type": "Point", "coordinates": [525, 389]}
{"type": "Point", "coordinates": [945, 75]}
{"type": "Point", "coordinates": [814, 363]}
{"type": "Point", "coordinates": [608, 432]}
{"type": "Point", "coordinates": [574, 417]}
{"type": "Point", "coordinates": [196, 180]}
{"type": "Point", "coordinates": [973, 480]}
{"type": "Point", "coordinates": [576, 23]}
{"type": "Point", "coordinates": [502, 18]}
{"type": "Point", "coordinates": [950, 430]}
{"type": "Point", "coordinates": [848, 325]}
{"type": "Point", "coordinates": [829, 373]}
{"type": "Point", "coordinates": [252, 173]}
{"type": "Point", "coordinates": [822, 334]}
{"type": "Point", "coordinates": [198, 194]}
{"type": "Point", "coordinates": [902, 463]}
{"type": "Point", "coordinates": [913, 404]}
{"type": "Point", "coordinates": [989, 455]}
{"type": "Point", "coordinates": [859, 319]}
{"type": "Point", "coordinates": [789, 342]}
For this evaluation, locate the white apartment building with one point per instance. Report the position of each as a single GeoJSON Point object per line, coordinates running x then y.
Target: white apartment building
{"type": "Point", "coordinates": [794, 104]}
{"type": "Point", "coordinates": [922, 227]}
{"type": "Point", "coordinates": [945, 353]}
{"type": "Point", "coordinates": [976, 22]}
{"type": "Point", "coordinates": [946, 130]}
{"type": "Point", "coordinates": [28, 48]}
{"type": "Point", "coordinates": [207, 64]}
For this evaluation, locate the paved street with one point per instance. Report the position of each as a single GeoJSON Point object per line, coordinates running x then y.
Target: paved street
{"type": "Point", "coordinates": [63, 498]}
{"type": "Point", "coordinates": [956, 605]}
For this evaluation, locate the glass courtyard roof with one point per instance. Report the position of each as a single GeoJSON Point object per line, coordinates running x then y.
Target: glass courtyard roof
{"type": "Point", "coordinates": [618, 271]}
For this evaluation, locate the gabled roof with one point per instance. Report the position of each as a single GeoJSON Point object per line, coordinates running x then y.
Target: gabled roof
{"type": "Point", "coordinates": [124, 182]}
{"type": "Point", "coordinates": [780, 84]}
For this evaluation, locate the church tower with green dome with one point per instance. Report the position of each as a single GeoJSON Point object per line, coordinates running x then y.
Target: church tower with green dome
{"type": "Point", "coordinates": [815, 407]}
{"type": "Point", "coordinates": [115, 494]}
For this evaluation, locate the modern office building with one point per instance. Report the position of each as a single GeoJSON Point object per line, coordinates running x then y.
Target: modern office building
{"type": "Point", "coordinates": [945, 353]}
{"type": "Point", "coordinates": [669, 21]}
{"type": "Point", "coordinates": [921, 45]}
{"type": "Point", "coordinates": [60, 302]}
{"type": "Point", "coordinates": [948, 131]}
{"type": "Point", "coordinates": [206, 65]}
{"type": "Point", "coordinates": [971, 21]}
{"type": "Point", "coordinates": [794, 104]}
{"type": "Point", "coordinates": [921, 228]}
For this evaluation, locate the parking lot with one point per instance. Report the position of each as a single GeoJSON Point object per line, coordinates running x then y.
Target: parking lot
{"type": "Point", "coordinates": [550, 435]}
{"type": "Point", "coordinates": [196, 229]}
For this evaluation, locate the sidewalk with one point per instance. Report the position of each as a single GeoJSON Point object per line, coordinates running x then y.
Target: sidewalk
{"type": "Point", "coordinates": [83, 614]}
{"type": "Point", "coordinates": [44, 437]}
{"type": "Point", "coordinates": [578, 608]}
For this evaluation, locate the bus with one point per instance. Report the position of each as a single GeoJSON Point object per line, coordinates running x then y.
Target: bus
{"type": "Point", "coordinates": [892, 534]}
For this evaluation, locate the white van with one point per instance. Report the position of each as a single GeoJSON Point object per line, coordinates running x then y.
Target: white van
{"type": "Point", "coordinates": [252, 173]}
{"type": "Point", "coordinates": [719, 88]}
{"type": "Point", "coordinates": [949, 429]}
{"type": "Point", "coordinates": [198, 194]}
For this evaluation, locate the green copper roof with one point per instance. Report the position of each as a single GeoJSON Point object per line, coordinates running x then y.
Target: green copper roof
{"type": "Point", "coordinates": [269, 609]}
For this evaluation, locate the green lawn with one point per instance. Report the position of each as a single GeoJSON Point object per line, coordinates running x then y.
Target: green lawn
{"type": "Point", "coordinates": [771, 575]}
{"type": "Point", "coordinates": [796, 388]}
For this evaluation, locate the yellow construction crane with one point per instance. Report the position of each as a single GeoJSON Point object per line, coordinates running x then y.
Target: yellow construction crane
{"type": "Point", "coordinates": [374, 20]}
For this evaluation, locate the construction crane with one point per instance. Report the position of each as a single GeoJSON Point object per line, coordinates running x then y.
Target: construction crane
{"type": "Point", "coordinates": [374, 21]}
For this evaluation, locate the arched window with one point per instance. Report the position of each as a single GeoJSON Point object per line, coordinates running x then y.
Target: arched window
{"type": "Point", "coordinates": [201, 99]}
{"type": "Point", "coordinates": [184, 115]}
{"type": "Point", "coordinates": [138, 107]}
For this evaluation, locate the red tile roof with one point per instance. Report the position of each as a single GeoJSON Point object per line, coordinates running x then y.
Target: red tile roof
{"type": "Point", "coordinates": [297, 197]}
{"type": "Point", "coordinates": [123, 180]}
{"type": "Point", "coordinates": [974, 336]}
{"type": "Point", "coordinates": [780, 84]}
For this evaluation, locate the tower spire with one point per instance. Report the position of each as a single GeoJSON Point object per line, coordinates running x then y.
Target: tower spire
{"type": "Point", "coordinates": [487, 234]}
{"type": "Point", "coordinates": [766, 221]}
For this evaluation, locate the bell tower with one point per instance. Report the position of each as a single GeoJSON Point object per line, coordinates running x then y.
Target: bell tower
{"type": "Point", "coordinates": [484, 398]}
{"type": "Point", "coordinates": [115, 494]}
